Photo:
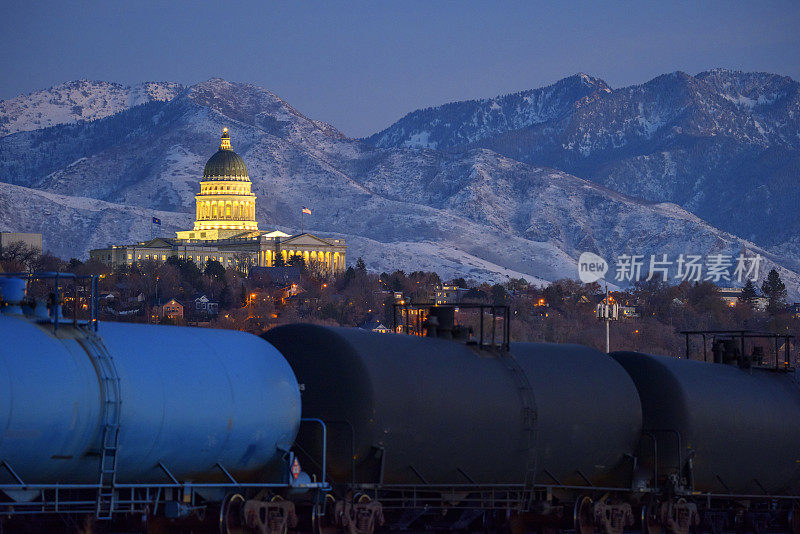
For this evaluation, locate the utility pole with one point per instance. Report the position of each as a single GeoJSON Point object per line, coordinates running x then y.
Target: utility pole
{"type": "Point", "coordinates": [607, 312]}
{"type": "Point", "coordinates": [608, 326]}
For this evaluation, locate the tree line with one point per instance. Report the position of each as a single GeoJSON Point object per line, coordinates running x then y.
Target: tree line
{"type": "Point", "coordinates": [561, 312]}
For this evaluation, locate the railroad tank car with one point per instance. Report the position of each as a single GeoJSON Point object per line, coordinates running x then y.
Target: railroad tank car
{"type": "Point", "coordinates": [190, 399]}
{"type": "Point", "coordinates": [409, 410]}
{"type": "Point", "coordinates": [719, 428]}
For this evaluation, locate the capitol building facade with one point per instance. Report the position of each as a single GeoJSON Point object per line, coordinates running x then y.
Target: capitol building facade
{"type": "Point", "coordinates": [226, 230]}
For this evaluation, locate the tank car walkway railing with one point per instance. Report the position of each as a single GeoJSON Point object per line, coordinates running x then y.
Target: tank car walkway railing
{"type": "Point", "coordinates": [111, 407]}
{"type": "Point", "coordinates": [57, 277]}
{"type": "Point", "coordinates": [498, 336]}
{"type": "Point", "coordinates": [485, 496]}
{"type": "Point", "coordinates": [143, 497]}
{"type": "Point", "coordinates": [758, 360]}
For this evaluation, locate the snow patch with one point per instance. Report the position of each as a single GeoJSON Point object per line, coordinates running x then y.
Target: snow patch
{"type": "Point", "coordinates": [420, 140]}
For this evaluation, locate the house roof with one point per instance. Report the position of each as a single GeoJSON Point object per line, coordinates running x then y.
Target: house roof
{"type": "Point", "coordinates": [372, 324]}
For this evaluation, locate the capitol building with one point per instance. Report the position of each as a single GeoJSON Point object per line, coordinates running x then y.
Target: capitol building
{"type": "Point", "coordinates": [225, 228]}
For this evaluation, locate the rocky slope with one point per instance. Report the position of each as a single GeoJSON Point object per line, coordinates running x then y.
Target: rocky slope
{"type": "Point", "coordinates": [81, 100]}
{"type": "Point", "coordinates": [724, 145]}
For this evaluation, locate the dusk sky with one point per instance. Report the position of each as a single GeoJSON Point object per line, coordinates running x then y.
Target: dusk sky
{"type": "Point", "coordinates": [363, 65]}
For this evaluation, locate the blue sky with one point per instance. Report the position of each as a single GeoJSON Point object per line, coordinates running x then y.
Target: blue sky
{"type": "Point", "coordinates": [363, 65]}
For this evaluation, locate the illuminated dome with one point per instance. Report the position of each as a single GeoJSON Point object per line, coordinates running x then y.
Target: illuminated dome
{"type": "Point", "coordinates": [225, 164]}
{"type": "Point", "coordinates": [226, 205]}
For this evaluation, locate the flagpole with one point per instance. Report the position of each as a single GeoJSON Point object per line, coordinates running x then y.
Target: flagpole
{"type": "Point", "coordinates": [302, 213]}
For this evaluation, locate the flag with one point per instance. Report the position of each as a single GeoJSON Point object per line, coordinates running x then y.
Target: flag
{"type": "Point", "coordinates": [306, 210]}
{"type": "Point", "coordinates": [157, 221]}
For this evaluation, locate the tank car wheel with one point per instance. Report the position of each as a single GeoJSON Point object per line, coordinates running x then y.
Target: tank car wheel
{"type": "Point", "coordinates": [231, 515]}
{"type": "Point", "coordinates": [650, 523]}
{"type": "Point", "coordinates": [322, 515]}
{"type": "Point", "coordinates": [583, 516]}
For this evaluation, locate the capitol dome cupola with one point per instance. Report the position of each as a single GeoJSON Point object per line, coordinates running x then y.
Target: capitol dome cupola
{"type": "Point", "coordinates": [225, 206]}
{"type": "Point", "coordinates": [225, 164]}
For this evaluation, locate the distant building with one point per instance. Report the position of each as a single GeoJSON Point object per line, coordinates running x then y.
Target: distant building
{"type": "Point", "coordinates": [449, 294]}
{"type": "Point", "coordinates": [375, 325]}
{"type": "Point", "coordinates": [628, 311]}
{"type": "Point", "coordinates": [730, 295]}
{"type": "Point", "coordinates": [289, 290]}
{"type": "Point", "coordinates": [205, 307]}
{"type": "Point", "coordinates": [225, 229]}
{"type": "Point", "coordinates": [30, 239]}
{"type": "Point", "coordinates": [172, 310]}
{"type": "Point", "coordinates": [760, 303]}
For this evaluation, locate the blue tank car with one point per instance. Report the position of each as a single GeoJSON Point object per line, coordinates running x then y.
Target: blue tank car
{"type": "Point", "coordinates": [165, 402]}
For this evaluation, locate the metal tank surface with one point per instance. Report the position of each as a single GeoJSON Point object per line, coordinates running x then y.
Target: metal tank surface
{"type": "Point", "coordinates": [739, 428]}
{"type": "Point", "coordinates": [414, 410]}
{"type": "Point", "coordinates": [191, 398]}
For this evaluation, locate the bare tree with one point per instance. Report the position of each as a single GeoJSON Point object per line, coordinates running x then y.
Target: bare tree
{"type": "Point", "coordinates": [18, 256]}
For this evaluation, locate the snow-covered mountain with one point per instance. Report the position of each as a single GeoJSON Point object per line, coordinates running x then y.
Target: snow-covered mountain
{"type": "Point", "coordinates": [724, 145]}
{"type": "Point", "coordinates": [472, 213]}
{"type": "Point", "coordinates": [464, 123]}
{"type": "Point", "coordinates": [81, 100]}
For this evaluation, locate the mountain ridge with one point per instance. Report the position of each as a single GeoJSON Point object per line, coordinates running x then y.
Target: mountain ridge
{"type": "Point", "coordinates": [476, 214]}
{"type": "Point", "coordinates": [76, 101]}
{"type": "Point", "coordinates": [715, 143]}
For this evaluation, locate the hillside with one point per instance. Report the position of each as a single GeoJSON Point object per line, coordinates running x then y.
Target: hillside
{"type": "Point", "coordinates": [718, 143]}
{"type": "Point", "coordinates": [81, 100]}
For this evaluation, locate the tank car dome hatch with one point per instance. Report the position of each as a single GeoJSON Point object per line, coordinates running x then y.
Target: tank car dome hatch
{"type": "Point", "coordinates": [225, 164]}
{"type": "Point", "coordinates": [740, 427]}
{"type": "Point", "coordinates": [433, 410]}
{"type": "Point", "coordinates": [185, 402]}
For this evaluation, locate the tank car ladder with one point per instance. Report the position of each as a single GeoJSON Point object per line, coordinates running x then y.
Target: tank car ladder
{"type": "Point", "coordinates": [525, 390]}
{"type": "Point", "coordinates": [109, 440]}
